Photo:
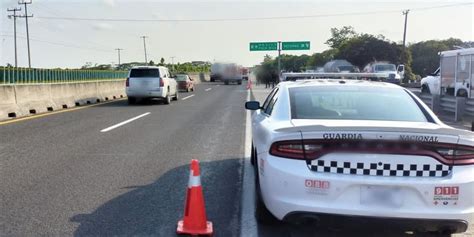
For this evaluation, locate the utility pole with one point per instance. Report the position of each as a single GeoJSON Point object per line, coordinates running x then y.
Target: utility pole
{"type": "Point", "coordinates": [14, 15]}
{"type": "Point", "coordinates": [405, 28]}
{"type": "Point", "coordinates": [144, 46]}
{"type": "Point", "coordinates": [172, 62]}
{"type": "Point", "coordinates": [118, 51]}
{"type": "Point", "coordinates": [279, 61]}
{"type": "Point", "coordinates": [26, 16]}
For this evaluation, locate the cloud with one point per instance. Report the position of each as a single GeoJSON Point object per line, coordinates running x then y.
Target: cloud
{"type": "Point", "coordinates": [109, 2]}
{"type": "Point", "coordinates": [102, 26]}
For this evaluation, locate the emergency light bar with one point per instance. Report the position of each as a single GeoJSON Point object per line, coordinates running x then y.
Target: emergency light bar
{"type": "Point", "coordinates": [292, 76]}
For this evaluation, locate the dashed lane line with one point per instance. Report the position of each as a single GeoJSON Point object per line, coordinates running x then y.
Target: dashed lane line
{"type": "Point", "coordinates": [187, 97]}
{"type": "Point", "coordinates": [124, 122]}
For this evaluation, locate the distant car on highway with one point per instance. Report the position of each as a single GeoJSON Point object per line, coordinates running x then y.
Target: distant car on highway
{"type": "Point", "coordinates": [362, 150]}
{"type": "Point", "coordinates": [185, 82]}
{"type": "Point", "coordinates": [393, 73]}
{"type": "Point", "coordinates": [148, 82]}
{"type": "Point", "coordinates": [340, 66]}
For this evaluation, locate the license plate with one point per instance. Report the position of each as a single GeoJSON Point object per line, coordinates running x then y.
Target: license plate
{"type": "Point", "coordinates": [382, 196]}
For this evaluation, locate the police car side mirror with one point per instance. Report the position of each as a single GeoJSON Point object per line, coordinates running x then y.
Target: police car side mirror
{"type": "Point", "coordinates": [252, 105]}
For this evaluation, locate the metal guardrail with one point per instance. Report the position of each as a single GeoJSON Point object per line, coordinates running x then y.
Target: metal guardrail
{"type": "Point", "coordinates": [469, 109]}
{"type": "Point", "coordinates": [37, 75]}
{"type": "Point", "coordinates": [426, 98]}
{"type": "Point", "coordinates": [448, 103]}
{"type": "Point", "coordinates": [460, 107]}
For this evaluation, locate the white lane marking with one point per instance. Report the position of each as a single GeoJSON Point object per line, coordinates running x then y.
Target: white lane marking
{"type": "Point", "coordinates": [248, 226]}
{"type": "Point", "coordinates": [208, 89]}
{"type": "Point", "coordinates": [218, 85]}
{"type": "Point", "coordinates": [124, 122]}
{"type": "Point", "coordinates": [187, 97]}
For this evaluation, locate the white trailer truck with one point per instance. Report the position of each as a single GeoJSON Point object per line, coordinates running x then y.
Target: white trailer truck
{"type": "Point", "coordinates": [455, 75]}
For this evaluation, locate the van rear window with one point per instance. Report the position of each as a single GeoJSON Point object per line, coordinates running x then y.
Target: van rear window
{"type": "Point", "coordinates": [145, 72]}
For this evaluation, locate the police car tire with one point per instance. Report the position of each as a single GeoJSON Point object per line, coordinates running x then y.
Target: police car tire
{"type": "Point", "coordinates": [252, 155]}
{"type": "Point", "coordinates": [262, 214]}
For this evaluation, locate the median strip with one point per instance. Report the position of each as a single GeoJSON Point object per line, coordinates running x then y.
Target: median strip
{"type": "Point", "coordinates": [187, 97]}
{"type": "Point", "coordinates": [124, 122]}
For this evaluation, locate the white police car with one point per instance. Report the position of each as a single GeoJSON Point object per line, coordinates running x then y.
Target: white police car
{"type": "Point", "coordinates": [353, 148]}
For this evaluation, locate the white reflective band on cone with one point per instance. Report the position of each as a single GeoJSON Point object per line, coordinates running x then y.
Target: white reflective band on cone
{"type": "Point", "coordinates": [194, 181]}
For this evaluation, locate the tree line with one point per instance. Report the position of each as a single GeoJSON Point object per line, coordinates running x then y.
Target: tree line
{"type": "Point", "coordinates": [186, 67]}
{"type": "Point", "coordinates": [360, 49]}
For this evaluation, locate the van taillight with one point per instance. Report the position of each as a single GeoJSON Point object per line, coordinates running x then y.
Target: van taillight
{"type": "Point", "coordinates": [162, 83]}
{"type": "Point", "coordinates": [127, 82]}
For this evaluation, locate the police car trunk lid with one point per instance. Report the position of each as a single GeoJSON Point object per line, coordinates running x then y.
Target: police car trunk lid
{"type": "Point", "coordinates": [378, 148]}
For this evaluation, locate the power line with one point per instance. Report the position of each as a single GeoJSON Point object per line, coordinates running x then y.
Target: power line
{"type": "Point", "coordinates": [26, 16]}
{"type": "Point", "coordinates": [14, 15]}
{"type": "Point", "coordinates": [59, 44]}
{"type": "Point", "coordinates": [57, 14]}
{"type": "Point", "coordinates": [250, 18]}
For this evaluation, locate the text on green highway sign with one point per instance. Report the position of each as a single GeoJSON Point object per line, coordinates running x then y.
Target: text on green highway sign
{"type": "Point", "coordinates": [298, 45]}
{"type": "Point", "coordinates": [264, 46]}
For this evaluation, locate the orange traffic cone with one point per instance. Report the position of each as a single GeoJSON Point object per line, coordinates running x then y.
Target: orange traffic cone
{"type": "Point", "coordinates": [195, 220]}
{"type": "Point", "coordinates": [249, 84]}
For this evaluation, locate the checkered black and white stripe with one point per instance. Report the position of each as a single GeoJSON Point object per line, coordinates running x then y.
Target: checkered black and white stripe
{"type": "Point", "coordinates": [381, 169]}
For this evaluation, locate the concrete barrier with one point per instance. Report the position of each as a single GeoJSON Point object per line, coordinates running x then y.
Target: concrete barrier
{"type": "Point", "coordinates": [8, 106]}
{"type": "Point", "coordinates": [63, 95]}
{"type": "Point", "coordinates": [111, 90]}
{"type": "Point", "coordinates": [28, 99]}
{"type": "Point", "coordinates": [200, 77]}
{"type": "Point", "coordinates": [33, 99]}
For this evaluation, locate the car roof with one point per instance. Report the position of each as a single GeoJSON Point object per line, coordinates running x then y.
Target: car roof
{"type": "Point", "coordinates": [147, 67]}
{"type": "Point", "coordinates": [466, 51]}
{"type": "Point", "coordinates": [337, 82]}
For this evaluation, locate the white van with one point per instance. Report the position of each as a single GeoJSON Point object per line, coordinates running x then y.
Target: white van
{"type": "Point", "coordinates": [148, 82]}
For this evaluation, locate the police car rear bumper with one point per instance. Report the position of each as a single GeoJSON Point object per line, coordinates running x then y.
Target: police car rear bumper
{"type": "Point", "coordinates": [283, 189]}
{"type": "Point", "coordinates": [375, 223]}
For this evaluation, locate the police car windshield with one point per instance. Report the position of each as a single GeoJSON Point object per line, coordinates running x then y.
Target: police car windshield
{"type": "Point", "coordinates": [354, 103]}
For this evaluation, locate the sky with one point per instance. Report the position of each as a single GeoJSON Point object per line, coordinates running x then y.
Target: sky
{"type": "Point", "coordinates": [196, 30]}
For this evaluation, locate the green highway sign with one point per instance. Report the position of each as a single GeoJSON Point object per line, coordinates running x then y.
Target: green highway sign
{"type": "Point", "coordinates": [298, 45]}
{"type": "Point", "coordinates": [264, 46]}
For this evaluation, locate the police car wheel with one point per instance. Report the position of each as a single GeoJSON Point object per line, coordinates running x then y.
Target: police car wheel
{"type": "Point", "coordinates": [262, 214]}
{"type": "Point", "coordinates": [252, 155]}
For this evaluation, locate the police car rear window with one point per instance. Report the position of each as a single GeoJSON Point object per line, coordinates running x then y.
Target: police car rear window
{"type": "Point", "coordinates": [354, 103]}
{"type": "Point", "coordinates": [145, 72]}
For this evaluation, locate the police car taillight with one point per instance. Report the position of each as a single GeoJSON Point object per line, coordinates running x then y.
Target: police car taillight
{"type": "Point", "coordinates": [464, 155]}
{"type": "Point", "coordinates": [294, 149]}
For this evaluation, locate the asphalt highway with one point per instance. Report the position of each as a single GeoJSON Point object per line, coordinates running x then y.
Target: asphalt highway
{"type": "Point", "coordinates": [122, 170]}
{"type": "Point", "coordinates": [74, 173]}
